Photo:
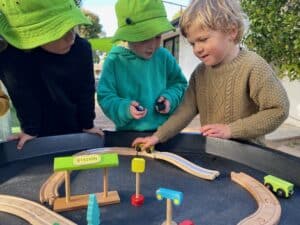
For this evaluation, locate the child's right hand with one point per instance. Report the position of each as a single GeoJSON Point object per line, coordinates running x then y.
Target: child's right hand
{"type": "Point", "coordinates": [216, 130]}
{"type": "Point", "coordinates": [146, 141]}
{"type": "Point", "coordinates": [136, 114]}
{"type": "Point", "coordinates": [22, 137]}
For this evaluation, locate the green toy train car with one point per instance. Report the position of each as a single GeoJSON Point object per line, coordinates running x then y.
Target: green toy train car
{"type": "Point", "coordinates": [281, 187]}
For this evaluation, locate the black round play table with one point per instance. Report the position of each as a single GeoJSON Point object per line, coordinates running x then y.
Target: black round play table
{"type": "Point", "coordinates": [217, 202]}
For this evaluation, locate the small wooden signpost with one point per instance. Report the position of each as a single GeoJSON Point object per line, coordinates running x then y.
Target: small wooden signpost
{"type": "Point", "coordinates": [85, 162]}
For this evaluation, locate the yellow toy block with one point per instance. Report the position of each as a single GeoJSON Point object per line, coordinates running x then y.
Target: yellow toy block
{"type": "Point", "coordinates": [138, 165]}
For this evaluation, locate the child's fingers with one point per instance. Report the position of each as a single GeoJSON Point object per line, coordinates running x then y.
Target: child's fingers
{"type": "Point", "coordinates": [205, 128]}
{"type": "Point", "coordinates": [23, 139]}
{"type": "Point", "coordinates": [13, 137]}
{"type": "Point", "coordinates": [161, 99]}
{"type": "Point", "coordinates": [210, 133]}
{"type": "Point", "coordinates": [137, 141]}
{"type": "Point", "coordinates": [138, 114]}
{"type": "Point", "coordinates": [216, 135]}
{"type": "Point", "coordinates": [21, 143]}
{"type": "Point", "coordinates": [134, 103]}
{"type": "Point", "coordinates": [98, 132]}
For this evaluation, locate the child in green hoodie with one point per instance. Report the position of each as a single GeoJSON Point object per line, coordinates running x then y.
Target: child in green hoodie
{"type": "Point", "coordinates": [139, 75]}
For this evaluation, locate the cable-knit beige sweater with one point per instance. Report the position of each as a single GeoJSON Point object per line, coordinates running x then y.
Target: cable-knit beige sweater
{"type": "Point", "coordinates": [244, 93]}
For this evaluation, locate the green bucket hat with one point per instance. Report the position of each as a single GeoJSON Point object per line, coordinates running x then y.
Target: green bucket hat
{"type": "Point", "coordinates": [27, 24]}
{"type": "Point", "coordinates": [140, 20]}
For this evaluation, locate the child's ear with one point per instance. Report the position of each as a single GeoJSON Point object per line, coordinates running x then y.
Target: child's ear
{"type": "Point", "coordinates": [233, 32]}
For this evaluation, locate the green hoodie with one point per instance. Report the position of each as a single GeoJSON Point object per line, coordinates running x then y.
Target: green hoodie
{"type": "Point", "coordinates": [126, 77]}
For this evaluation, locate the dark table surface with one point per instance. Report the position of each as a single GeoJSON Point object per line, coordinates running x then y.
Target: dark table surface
{"type": "Point", "coordinates": [218, 202]}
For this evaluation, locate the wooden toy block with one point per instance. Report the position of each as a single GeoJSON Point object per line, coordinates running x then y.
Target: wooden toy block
{"type": "Point", "coordinates": [187, 222]}
{"type": "Point", "coordinates": [138, 165]}
{"type": "Point", "coordinates": [86, 162]}
{"type": "Point", "coordinates": [137, 200]}
{"type": "Point", "coordinates": [81, 201]}
{"type": "Point", "coordinates": [170, 195]}
{"type": "Point", "coordinates": [176, 196]}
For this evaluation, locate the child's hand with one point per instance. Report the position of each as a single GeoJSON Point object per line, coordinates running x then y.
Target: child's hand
{"type": "Point", "coordinates": [146, 141]}
{"type": "Point", "coordinates": [216, 130]}
{"type": "Point", "coordinates": [164, 105]}
{"type": "Point", "coordinates": [94, 130]}
{"type": "Point", "coordinates": [22, 137]}
{"type": "Point", "coordinates": [136, 114]}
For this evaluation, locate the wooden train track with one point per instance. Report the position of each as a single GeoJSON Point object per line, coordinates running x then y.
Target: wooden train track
{"type": "Point", "coordinates": [172, 158]}
{"type": "Point", "coordinates": [49, 190]}
{"type": "Point", "coordinates": [30, 211]}
{"type": "Point", "coordinates": [269, 209]}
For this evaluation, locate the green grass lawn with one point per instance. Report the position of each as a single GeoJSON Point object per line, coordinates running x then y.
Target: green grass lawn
{"type": "Point", "coordinates": [15, 124]}
{"type": "Point", "coordinates": [101, 44]}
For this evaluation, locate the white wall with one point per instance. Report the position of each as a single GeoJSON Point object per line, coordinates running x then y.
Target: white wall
{"type": "Point", "coordinates": [187, 60]}
{"type": "Point", "coordinates": [293, 90]}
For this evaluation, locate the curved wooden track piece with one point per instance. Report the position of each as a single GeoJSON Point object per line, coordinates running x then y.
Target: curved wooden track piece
{"type": "Point", "coordinates": [49, 190]}
{"type": "Point", "coordinates": [269, 209]}
{"type": "Point", "coordinates": [30, 211]}
{"type": "Point", "coordinates": [187, 166]}
{"type": "Point", "coordinates": [172, 158]}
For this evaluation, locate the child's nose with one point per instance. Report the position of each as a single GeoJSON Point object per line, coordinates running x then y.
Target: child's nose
{"type": "Point", "coordinates": [198, 47]}
{"type": "Point", "coordinates": [153, 43]}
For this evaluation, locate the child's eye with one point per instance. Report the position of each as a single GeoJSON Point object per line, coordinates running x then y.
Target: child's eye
{"type": "Point", "coordinates": [203, 39]}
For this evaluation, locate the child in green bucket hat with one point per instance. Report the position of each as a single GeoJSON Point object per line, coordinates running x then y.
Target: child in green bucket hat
{"type": "Point", "coordinates": [47, 68]}
{"type": "Point", "coordinates": [141, 84]}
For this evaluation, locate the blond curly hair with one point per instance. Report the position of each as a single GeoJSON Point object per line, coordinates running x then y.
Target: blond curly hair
{"type": "Point", "coordinates": [218, 15]}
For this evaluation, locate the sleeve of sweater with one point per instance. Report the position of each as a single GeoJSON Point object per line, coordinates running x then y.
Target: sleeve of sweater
{"type": "Point", "coordinates": [86, 101]}
{"type": "Point", "coordinates": [4, 103]}
{"type": "Point", "coordinates": [18, 76]}
{"type": "Point", "coordinates": [176, 82]}
{"type": "Point", "coordinates": [114, 107]}
{"type": "Point", "coordinates": [183, 115]}
{"type": "Point", "coordinates": [271, 99]}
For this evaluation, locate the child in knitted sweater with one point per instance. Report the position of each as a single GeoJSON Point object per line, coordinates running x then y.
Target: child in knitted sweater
{"type": "Point", "coordinates": [234, 90]}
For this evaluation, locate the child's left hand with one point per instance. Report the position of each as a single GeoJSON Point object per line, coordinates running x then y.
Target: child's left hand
{"type": "Point", "coordinates": [94, 130]}
{"type": "Point", "coordinates": [216, 130]}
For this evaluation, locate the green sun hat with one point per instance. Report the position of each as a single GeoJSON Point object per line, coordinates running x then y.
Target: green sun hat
{"type": "Point", "coordinates": [27, 24]}
{"type": "Point", "coordinates": [140, 20]}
